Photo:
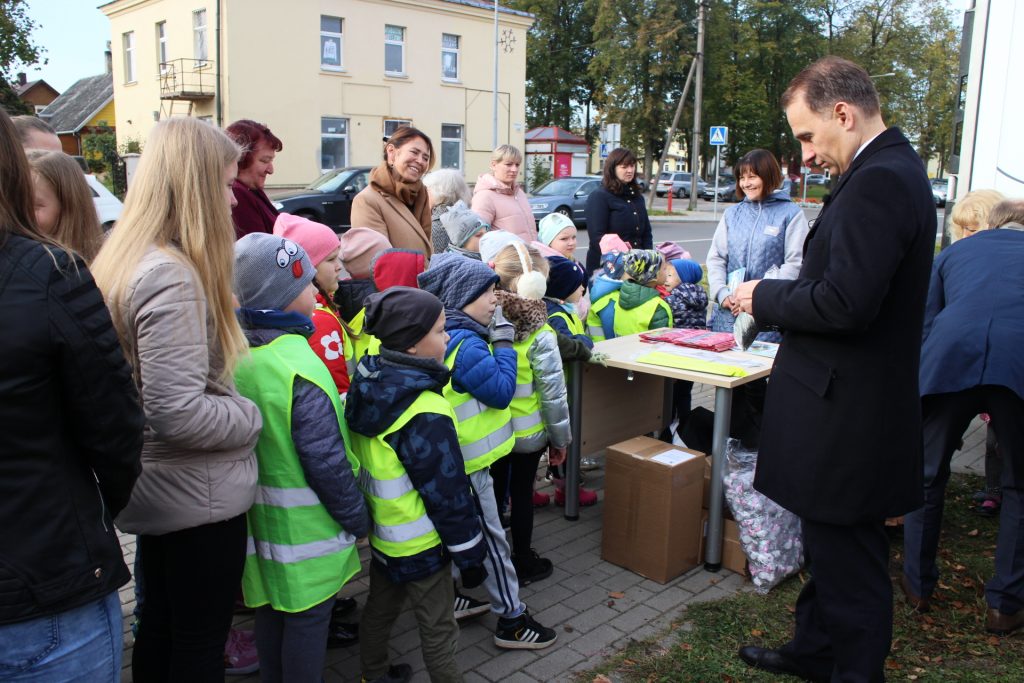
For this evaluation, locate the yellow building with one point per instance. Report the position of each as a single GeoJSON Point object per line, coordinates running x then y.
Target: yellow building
{"type": "Point", "coordinates": [329, 77]}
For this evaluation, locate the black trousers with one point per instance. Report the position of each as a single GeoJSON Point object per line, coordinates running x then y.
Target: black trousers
{"type": "Point", "coordinates": [844, 612]}
{"type": "Point", "coordinates": [191, 578]}
{"type": "Point", "coordinates": [513, 476]}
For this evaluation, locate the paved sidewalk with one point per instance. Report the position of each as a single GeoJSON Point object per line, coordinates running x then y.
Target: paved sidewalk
{"type": "Point", "coordinates": [576, 600]}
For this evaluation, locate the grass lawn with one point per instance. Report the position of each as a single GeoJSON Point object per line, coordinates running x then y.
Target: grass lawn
{"type": "Point", "coordinates": [947, 644]}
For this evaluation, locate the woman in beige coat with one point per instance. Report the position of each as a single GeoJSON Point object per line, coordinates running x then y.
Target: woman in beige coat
{"type": "Point", "coordinates": [499, 200]}
{"type": "Point", "coordinates": [395, 203]}
{"type": "Point", "coordinates": [166, 274]}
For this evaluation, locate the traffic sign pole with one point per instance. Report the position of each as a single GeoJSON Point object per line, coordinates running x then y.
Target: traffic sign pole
{"type": "Point", "coordinates": [719, 136]}
{"type": "Point", "coordinates": [718, 167]}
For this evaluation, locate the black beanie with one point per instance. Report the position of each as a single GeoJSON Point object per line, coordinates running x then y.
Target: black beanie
{"type": "Point", "coordinates": [401, 316]}
{"type": "Point", "coordinates": [564, 277]}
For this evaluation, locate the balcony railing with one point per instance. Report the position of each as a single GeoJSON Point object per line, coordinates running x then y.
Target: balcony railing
{"type": "Point", "coordinates": [187, 79]}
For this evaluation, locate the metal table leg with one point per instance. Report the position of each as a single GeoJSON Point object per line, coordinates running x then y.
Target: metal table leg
{"type": "Point", "coordinates": [572, 458]}
{"type": "Point", "coordinates": [723, 414]}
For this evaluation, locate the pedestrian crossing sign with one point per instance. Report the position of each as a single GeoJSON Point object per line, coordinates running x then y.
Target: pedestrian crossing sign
{"type": "Point", "coordinates": [719, 135]}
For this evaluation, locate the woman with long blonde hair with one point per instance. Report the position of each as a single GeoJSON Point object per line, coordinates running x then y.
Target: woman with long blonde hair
{"type": "Point", "coordinates": [166, 272]}
{"type": "Point", "coordinates": [63, 203]}
{"type": "Point", "coordinates": [72, 434]}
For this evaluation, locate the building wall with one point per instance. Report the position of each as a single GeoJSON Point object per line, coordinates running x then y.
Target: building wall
{"type": "Point", "coordinates": [271, 72]}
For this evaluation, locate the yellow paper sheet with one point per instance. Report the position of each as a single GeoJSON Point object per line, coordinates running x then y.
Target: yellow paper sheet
{"type": "Point", "coordinates": [671, 360]}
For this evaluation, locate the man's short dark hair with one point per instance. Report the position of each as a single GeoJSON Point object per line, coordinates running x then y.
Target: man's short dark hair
{"type": "Point", "coordinates": [1006, 211]}
{"type": "Point", "coordinates": [833, 79]}
{"type": "Point", "coordinates": [25, 124]}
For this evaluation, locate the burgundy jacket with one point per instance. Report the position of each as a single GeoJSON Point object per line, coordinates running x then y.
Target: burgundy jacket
{"type": "Point", "coordinates": [254, 213]}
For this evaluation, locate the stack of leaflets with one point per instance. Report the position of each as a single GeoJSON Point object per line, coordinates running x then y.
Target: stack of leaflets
{"type": "Point", "coordinates": [694, 339]}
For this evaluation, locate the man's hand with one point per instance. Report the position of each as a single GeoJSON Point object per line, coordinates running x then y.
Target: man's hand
{"type": "Point", "coordinates": [744, 296]}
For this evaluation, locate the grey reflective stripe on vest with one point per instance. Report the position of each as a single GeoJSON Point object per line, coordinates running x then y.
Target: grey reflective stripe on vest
{"type": "Point", "coordinates": [400, 533]}
{"type": "Point", "coordinates": [467, 545]}
{"type": "Point", "coordinates": [525, 422]}
{"type": "Point", "coordinates": [595, 331]}
{"type": "Point", "coordinates": [350, 365]}
{"type": "Point", "coordinates": [286, 498]}
{"type": "Point", "coordinates": [481, 447]}
{"type": "Point", "coordinates": [524, 390]}
{"type": "Point", "coordinates": [290, 554]}
{"type": "Point", "coordinates": [386, 489]}
{"type": "Point", "coordinates": [469, 409]}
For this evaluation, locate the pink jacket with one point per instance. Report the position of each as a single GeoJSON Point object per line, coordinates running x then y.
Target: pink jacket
{"type": "Point", "coordinates": [504, 208]}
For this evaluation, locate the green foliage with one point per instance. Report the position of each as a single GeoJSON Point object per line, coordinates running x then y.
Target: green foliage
{"type": "Point", "coordinates": [99, 148]}
{"type": "Point", "coordinates": [131, 145]}
{"type": "Point", "coordinates": [10, 101]}
{"type": "Point", "coordinates": [16, 46]}
{"type": "Point", "coordinates": [539, 174]}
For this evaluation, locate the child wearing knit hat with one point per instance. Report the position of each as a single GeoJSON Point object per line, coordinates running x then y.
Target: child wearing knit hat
{"type": "Point", "coordinates": [635, 305]}
{"type": "Point", "coordinates": [303, 448]}
{"type": "Point", "coordinates": [483, 385]}
{"type": "Point", "coordinates": [464, 228]}
{"type": "Point", "coordinates": [324, 249]}
{"type": "Point", "coordinates": [358, 248]}
{"type": "Point", "coordinates": [558, 232]}
{"type": "Point", "coordinates": [403, 431]}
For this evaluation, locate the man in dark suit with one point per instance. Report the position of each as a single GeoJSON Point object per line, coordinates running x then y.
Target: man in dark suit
{"type": "Point", "coordinates": [841, 435]}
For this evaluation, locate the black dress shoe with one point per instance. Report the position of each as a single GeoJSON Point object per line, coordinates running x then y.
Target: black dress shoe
{"type": "Point", "coordinates": [342, 606]}
{"type": "Point", "coordinates": [772, 661]}
{"type": "Point", "coordinates": [340, 634]}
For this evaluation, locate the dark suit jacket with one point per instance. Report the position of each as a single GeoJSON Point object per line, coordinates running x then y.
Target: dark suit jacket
{"type": "Point", "coordinates": [841, 437]}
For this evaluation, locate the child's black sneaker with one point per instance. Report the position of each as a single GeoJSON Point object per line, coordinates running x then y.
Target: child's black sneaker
{"type": "Point", "coordinates": [466, 607]}
{"type": "Point", "coordinates": [531, 567]}
{"type": "Point", "coordinates": [523, 633]}
{"type": "Point", "coordinates": [397, 673]}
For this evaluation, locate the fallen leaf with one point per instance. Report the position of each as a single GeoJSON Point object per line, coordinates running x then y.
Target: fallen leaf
{"type": "Point", "coordinates": [957, 604]}
{"type": "Point", "coordinates": [617, 595]}
{"type": "Point", "coordinates": [601, 678]}
{"type": "Point", "coordinates": [994, 641]}
{"type": "Point", "coordinates": [757, 633]}
{"type": "Point", "coordinates": [889, 664]}
{"type": "Point", "coordinates": [568, 629]}
{"type": "Point", "coordinates": [791, 609]}
{"type": "Point", "coordinates": [960, 567]}
{"type": "Point", "coordinates": [911, 677]}
{"type": "Point", "coordinates": [686, 646]}
{"type": "Point", "coordinates": [972, 532]}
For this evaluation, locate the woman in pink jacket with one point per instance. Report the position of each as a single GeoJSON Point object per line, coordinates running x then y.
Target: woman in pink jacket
{"type": "Point", "coordinates": [499, 200]}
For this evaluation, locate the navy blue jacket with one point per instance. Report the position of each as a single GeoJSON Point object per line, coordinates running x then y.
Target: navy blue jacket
{"type": "Point", "coordinates": [624, 215]}
{"type": "Point", "coordinates": [974, 318]}
{"type": "Point", "coordinates": [382, 389]}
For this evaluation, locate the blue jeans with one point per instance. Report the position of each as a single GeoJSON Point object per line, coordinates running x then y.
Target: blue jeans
{"type": "Point", "coordinates": [83, 644]}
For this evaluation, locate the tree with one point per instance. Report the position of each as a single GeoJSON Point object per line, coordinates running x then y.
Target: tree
{"type": "Point", "coordinates": [16, 49]}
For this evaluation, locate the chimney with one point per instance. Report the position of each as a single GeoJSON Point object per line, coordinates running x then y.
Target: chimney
{"type": "Point", "coordinates": [108, 59]}
{"type": "Point", "coordinates": [21, 78]}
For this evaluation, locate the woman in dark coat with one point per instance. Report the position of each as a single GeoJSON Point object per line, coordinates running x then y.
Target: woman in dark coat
{"type": "Point", "coordinates": [617, 207]}
{"type": "Point", "coordinates": [254, 211]}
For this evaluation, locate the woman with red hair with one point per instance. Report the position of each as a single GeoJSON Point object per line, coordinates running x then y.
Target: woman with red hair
{"type": "Point", "coordinates": [254, 212]}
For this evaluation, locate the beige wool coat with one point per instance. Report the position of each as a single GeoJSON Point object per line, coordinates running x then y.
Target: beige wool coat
{"type": "Point", "coordinates": [387, 215]}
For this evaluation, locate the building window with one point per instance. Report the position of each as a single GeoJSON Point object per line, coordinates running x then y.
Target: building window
{"type": "Point", "coordinates": [391, 125]}
{"type": "Point", "coordinates": [394, 50]}
{"type": "Point", "coordinates": [449, 57]}
{"type": "Point", "coordinates": [451, 146]}
{"type": "Point", "coordinates": [128, 41]}
{"type": "Point", "coordinates": [161, 46]}
{"type": "Point", "coordinates": [330, 43]}
{"type": "Point", "coordinates": [199, 44]}
{"type": "Point", "coordinates": [333, 143]}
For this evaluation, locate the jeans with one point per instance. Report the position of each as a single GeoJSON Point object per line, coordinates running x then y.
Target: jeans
{"type": "Point", "coordinates": [83, 643]}
{"type": "Point", "coordinates": [191, 580]}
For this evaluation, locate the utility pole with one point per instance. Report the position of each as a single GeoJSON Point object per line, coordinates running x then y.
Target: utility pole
{"type": "Point", "coordinates": [494, 133]}
{"type": "Point", "coordinates": [651, 193]}
{"type": "Point", "coordinates": [698, 102]}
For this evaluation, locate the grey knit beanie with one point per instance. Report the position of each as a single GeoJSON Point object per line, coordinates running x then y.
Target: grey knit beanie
{"type": "Point", "coordinates": [460, 223]}
{"type": "Point", "coordinates": [270, 271]}
{"type": "Point", "coordinates": [456, 280]}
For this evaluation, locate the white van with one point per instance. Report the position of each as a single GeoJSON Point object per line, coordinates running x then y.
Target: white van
{"type": "Point", "coordinates": [108, 207]}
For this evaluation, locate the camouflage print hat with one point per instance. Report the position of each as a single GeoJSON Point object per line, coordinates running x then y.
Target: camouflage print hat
{"type": "Point", "coordinates": [642, 265]}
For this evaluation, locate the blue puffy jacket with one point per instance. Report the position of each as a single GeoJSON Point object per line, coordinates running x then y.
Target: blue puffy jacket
{"type": "Point", "coordinates": [488, 377]}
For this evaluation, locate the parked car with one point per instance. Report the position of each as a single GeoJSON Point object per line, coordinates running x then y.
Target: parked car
{"type": "Point", "coordinates": [678, 184]}
{"type": "Point", "coordinates": [726, 188]}
{"type": "Point", "coordinates": [108, 207]}
{"type": "Point", "coordinates": [940, 190]}
{"type": "Point", "coordinates": [567, 196]}
{"type": "Point", "coordinates": [328, 199]}
{"type": "Point", "coordinates": [817, 179]}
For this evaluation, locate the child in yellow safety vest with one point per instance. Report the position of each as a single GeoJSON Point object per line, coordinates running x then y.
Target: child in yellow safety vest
{"type": "Point", "coordinates": [308, 511]}
{"type": "Point", "coordinates": [482, 386]}
{"type": "Point", "coordinates": [633, 305]}
{"type": "Point", "coordinates": [424, 515]}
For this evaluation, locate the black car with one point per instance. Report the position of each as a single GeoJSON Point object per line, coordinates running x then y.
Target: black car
{"type": "Point", "coordinates": [328, 199]}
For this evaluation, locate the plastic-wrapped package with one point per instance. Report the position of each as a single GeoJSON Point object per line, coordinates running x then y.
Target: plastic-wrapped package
{"type": "Point", "coordinates": [769, 534]}
{"type": "Point", "coordinates": [745, 328]}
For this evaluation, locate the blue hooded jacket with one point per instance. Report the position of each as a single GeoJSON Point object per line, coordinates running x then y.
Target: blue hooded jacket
{"type": "Point", "coordinates": [489, 377]}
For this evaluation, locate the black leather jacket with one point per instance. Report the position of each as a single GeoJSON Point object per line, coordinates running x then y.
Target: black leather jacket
{"type": "Point", "coordinates": [70, 435]}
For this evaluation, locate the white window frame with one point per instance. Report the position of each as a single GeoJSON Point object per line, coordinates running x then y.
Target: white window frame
{"type": "Point", "coordinates": [398, 123]}
{"type": "Point", "coordinates": [128, 45]}
{"type": "Point", "coordinates": [400, 43]}
{"type": "Point", "coordinates": [200, 38]}
{"type": "Point", "coordinates": [460, 140]}
{"type": "Point", "coordinates": [453, 51]}
{"type": "Point", "coordinates": [334, 136]}
{"type": "Point", "coordinates": [161, 46]}
{"type": "Point", "coordinates": [340, 36]}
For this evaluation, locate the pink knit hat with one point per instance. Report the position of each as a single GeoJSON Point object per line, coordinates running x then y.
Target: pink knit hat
{"type": "Point", "coordinates": [316, 238]}
{"type": "Point", "coordinates": [612, 242]}
{"type": "Point", "coordinates": [358, 247]}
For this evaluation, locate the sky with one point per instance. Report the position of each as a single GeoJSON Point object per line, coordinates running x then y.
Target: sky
{"type": "Point", "coordinates": [75, 34]}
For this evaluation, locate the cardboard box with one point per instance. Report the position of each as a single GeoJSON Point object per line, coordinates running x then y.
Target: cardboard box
{"type": "Point", "coordinates": [733, 557]}
{"type": "Point", "coordinates": [652, 498]}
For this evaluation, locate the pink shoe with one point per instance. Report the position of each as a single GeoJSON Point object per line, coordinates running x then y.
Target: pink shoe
{"type": "Point", "coordinates": [240, 655]}
{"type": "Point", "coordinates": [540, 499]}
{"type": "Point", "coordinates": [587, 497]}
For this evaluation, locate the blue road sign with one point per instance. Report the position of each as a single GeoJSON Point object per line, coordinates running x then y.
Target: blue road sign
{"type": "Point", "coordinates": [719, 135]}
